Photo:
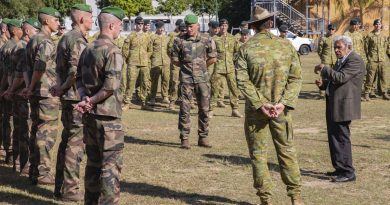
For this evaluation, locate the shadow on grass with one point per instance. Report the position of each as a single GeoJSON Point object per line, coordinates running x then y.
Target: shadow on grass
{"type": "Point", "coordinates": [314, 174]}
{"type": "Point", "coordinates": [144, 189]}
{"type": "Point", "coordinates": [15, 198]}
{"type": "Point", "coordinates": [11, 179]}
{"type": "Point", "coordinates": [311, 95]}
{"type": "Point", "coordinates": [134, 140]}
{"type": "Point", "coordinates": [385, 138]}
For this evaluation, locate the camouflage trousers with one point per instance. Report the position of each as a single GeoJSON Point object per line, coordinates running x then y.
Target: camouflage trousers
{"type": "Point", "coordinates": [174, 83]}
{"type": "Point", "coordinates": [216, 86]}
{"type": "Point", "coordinates": [219, 84]}
{"type": "Point", "coordinates": [21, 134]}
{"type": "Point", "coordinates": [7, 126]}
{"type": "Point", "coordinates": [258, 128]}
{"type": "Point", "coordinates": [104, 139]}
{"type": "Point", "coordinates": [155, 74]}
{"type": "Point", "coordinates": [44, 128]}
{"type": "Point", "coordinates": [133, 73]}
{"type": "Point", "coordinates": [376, 70]}
{"type": "Point", "coordinates": [70, 151]}
{"type": "Point", "coordinates": [202, 94]}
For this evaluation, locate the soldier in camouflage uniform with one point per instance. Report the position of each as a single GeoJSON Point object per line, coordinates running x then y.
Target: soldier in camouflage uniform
{"type": "Point", "coordinates": [193, 52]}
{"type": "Point", "coordinates": [72, 148]}
{"type": "Point", "coordinates": [227, 47]}
{"type": "Point", "coordinates": [41, 56]}
{"type": "Point", "coordinates": [357, 38]}
{"type": "Point", "coordinates": [57, 37]}
{"type": "Point", "coordinates": [243, 25]}
{"type": "Point", "coordinates": [3, 39]}
{"type": "Point", "coordinates": [136, 51]}
{"type": "Point", "coordinates": [160, 63]}
{"type": "Point", "coordinates": [326, 50]}
{"type": "Point", "coordinates": [377, 49]}
{"type": "Point", "coordinates": [269, 76]}
{"type": "Point", "coordinates": [21, 108]}
{"type": "Point", "coordinates": [102, 98]}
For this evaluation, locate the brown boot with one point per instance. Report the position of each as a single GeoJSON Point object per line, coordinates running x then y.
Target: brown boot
{"type": "Point", "coordinates": [185, 144]}
{"type": "Point", "coordinates": [221, 104]}
{"type": "Point", "coordinates": [72, 197]}
{"type": "Point", "coordinates": [236, 113]}
{"type": "Point", "coordinates": [385, 96]}
{"type": "Point", "coordinates": [46, 180]}
{"type": "Point", "coordinates": [165, 100]}
{"type": "Point", "coordinates": [211, 114]}
{"type": "Point", "coordinates": [366, 97]}
{"type": "Point", "coordinates": [297, 201]}
{"type": "Point", "coordinates": [204, 142]}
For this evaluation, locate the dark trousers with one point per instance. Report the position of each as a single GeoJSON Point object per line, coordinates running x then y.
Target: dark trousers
{"type": "Point", "coordinates": [340, 145]}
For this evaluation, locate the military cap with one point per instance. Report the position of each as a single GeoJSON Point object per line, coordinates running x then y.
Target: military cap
{"type": "Point", "coordinates": [5, 21]}
{"type": "Point", "coordinates": [115, 11]}
{"type": "Point", "coordinates": [377, 21]}
{"type": "Point", "coordinates": [82, 7]}
{"type": "Point", "coordinates": [178, 22]}
{"type": "Point", "coordinates": [283, 28]}
{"type": "Point", "coordinates": [49, 11]}
{"type": "Point", "coordinates": [244, 32]}
{"type": "Point", "coordinates": [191, 19]}
{"type": "Point", "coordinates": [14, 23]}
{"type": "Point", "coordinates": [182, 27]}
{"type": "Point", "coordinates": [260, 14]}
{"type": "Point", "coordinates": [146, 21]}
{"type": "Point", "coordinates": [139, 20]}
{"type": "Point", "coordinates": [33, 22]}
{"type": "Point", "coordinates": [331, 27]}
{"type": "Point", "coordinates": [354, 21]}
{"type": "Point", "coordinates": [159, 24]}
{"type": "Point", "coordinates": [223, 21]}
{"type": "Point", "coordinates": [214, 24]}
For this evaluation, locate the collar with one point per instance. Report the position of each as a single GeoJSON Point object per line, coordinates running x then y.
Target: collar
{"type": "Point", "coordinates": [102, 36]}
{"type": "Point", "coordinates": [192, 38]}
{"type": "Point", "coordinates": [345, 57]}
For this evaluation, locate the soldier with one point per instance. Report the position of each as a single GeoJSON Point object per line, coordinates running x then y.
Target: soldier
{"type": "Point", "coordinates": [326, 50]}
{"type": "Point", "coordinates": [227, 46]}
{"type": "Point", "coordinates": [21, 108]}
{"type": "Point", "coordinates": [57, 37]}
{"type": "Point", "coordinates": [377, 48]}
{"type": "Point", "coordinates": [136, 51]}
{"type": "Point", "coordinates": [283, 31]}
{"type": "Point", "coordinates": [243, 25]}
{"type": "Point", "coordinates": [244, 36]}
{"type": "Point", "coordinates": [174, 74]}
{"type": "Point", "coordinates": [193, 52]}
{"type": "Point", "coordinates": [98, 83]}
{"type": "Point", "coordinates": [357, 38]}
{"type": "Point", "coordinates": [160, 63]}
{"type": "Point", "coordinates": [72, 148]}
{"type": "Point", "coordinates": [269, 76]}
{"type": "Point", "coordinates": [213, 28]}
{"type": "Point", "coordinates": [41, 55]}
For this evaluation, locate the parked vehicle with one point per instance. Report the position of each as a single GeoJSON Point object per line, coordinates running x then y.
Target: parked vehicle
{"type": "Point", "coordinates": [301, 44]}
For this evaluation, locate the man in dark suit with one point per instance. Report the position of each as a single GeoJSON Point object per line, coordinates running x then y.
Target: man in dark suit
{"type": "Point", "coordinates": [342, 85]}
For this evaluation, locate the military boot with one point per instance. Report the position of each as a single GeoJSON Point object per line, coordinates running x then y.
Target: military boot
{"type": "Point", "coordinates": [366, 97]}
{"type": "Point", "coordinates": [165, 100]}
{"type": "Point", "coordinates": [236, 113]}
{"type": "Point", "coordinates": [46, 180]}
{"type": "Point", "coordinates": [297, 201]}
{"type": "Point", "coordinates": [211, 114]}
{"type": "Point", "coordinates": [152, 101]}
{"type": "Point", "coordinates": [221, 104]}
{"type": "Point", "coordinates": [385, 96]}
{"type": "Point", "coordinates": [8, 158]}
{"type": "Point", "coordinates": [185, 144]}
{"type": "Point", "coordinates": [172, 105]}
{"type": "Point", "coordinates": [72, 197]}
{"type": "Point", "coordinates": [204, 142]}
{"type": "Point", "coordinates": [145, 106]}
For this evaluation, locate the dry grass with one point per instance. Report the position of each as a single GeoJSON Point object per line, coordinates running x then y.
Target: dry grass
{"type": "Point", "coordinates": [156, 171]}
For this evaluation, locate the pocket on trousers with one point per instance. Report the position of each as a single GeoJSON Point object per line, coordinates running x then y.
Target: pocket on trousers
{"type": "Point", "coordinates": [113, 136]}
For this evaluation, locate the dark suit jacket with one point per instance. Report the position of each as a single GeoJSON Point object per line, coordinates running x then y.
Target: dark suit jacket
{"type": "Point", "coordinates": [345, 88]}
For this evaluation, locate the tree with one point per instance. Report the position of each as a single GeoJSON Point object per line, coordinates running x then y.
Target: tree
{"type": "Point", "coordinates": [362, 6]}
{"type": "Point", "coordinates": [63, 6]}
{"type": "Point", "coordinates": [131, 7]}
{"type": "Point", "coordinates": [235, 11]}
{"type": "Point", "coordinates": [20, 8]}
{"type": "Point", "coordinates": [209, 7]}
{"type": "Point", "coordinates": [172, 7]}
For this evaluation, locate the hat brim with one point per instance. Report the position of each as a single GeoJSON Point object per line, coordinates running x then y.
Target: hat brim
{"type": "Point", "coordinates": [265, 17]}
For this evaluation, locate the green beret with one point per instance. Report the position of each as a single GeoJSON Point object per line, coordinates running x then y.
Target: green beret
{"type": "Point", "coordinates": [14, 23]}
{"type": "Point", "coordinates": [191, 19]}
{"type": "Point", "coordinates": [33, 22]}
{"type": "Point", "coordinates": [49, 11]}
{"type": "Point", "coordinates": [5, 21]}
{"type": "Point", "coordinates": [82, 7]}
{"type": "Point", "coordinates": [115, 11]}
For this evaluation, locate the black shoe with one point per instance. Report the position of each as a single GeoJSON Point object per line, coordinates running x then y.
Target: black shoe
{"type": "Point", "coordinates": [342, 178]}
{"type": "Point", "coordinates": [332, 174]}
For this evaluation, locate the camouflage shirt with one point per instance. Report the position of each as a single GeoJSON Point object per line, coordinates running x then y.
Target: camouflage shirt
{"type": "Point", "coordinates": [326, 51]}
{"type": "Point", "coordinates": [137, 49]}
{"type": "Point", "coordinates": [56, 38]}
{"type": "Point", "coordinates": [192, 54]}
{"type": "Point", "coordinates": [172, 36]}
{"type": "Point", "coordinates": [358, 43]}
{"type": "Point", "coordinates": [41, 57]}
{"type": "Point", "coordinates": [377, 47]}
{"type": "Point", "coordinates": [268, 71]}
{"type": "Point", "coordinates": [100, 68]}
{"type": "Point", "coordinates": [69, 50]}
{"type": "Point", "coordinates": [3, 40]}
{"type": "Point", "coordinates": [160, 52]}
{"type": "Point", "coordinates": [21, 64]}
{"type": "Point", "coordinates": [227, 47]}
{"type": "Point", "coordinates": [6, 57]}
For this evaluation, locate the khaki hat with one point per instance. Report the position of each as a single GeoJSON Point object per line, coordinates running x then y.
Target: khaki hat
{"type": "Point", "coordinates": [259, 14]}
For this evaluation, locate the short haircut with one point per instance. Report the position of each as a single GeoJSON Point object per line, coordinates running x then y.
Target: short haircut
{"type": "Point", "coordinates": [105, 19]}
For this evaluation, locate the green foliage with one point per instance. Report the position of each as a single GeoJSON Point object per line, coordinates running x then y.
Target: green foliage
{"type": "Point", "coordinates": [210, 7]}
{"type": "Point", "coordinates": [19, 8]}
{"type": "Point", "coordinates": [235, 11]}
{"type": "Point", "coordinates": [172, 7]}
{"type": "Point", "coordinates": [131, 7]}
{"type": "Point", "coordinates": [63, 6]}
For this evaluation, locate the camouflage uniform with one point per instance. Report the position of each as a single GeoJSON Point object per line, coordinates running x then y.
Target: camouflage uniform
{"type": "Point", "coordinates": [72, 148]}
{"type": "Point", "coordinates": [377, 48]}
{"type": "Point", "coordinates": [268, 71]}
{"type": "Point", "coordinates": [160, 64]}
{"type": "Point", "coordinates": [358, 43]}
{"type": "Point", "coordinates": [192, 54]}
{"type": "Point", "coordinates": [174, 74]}
{"type": "Point", "coordinates": [103, 133]}
{"type": "Point", "coordinates": [136, 51]}
{"type": "Point", "coordinates": [41, 56]}
{"type": "Point", "coordinates": [326, 52]}
{"type": "Point", "coordinates": [227, 46]}
{"type": "Point", "coordinates": [3, 40]}
{"type": "Point", "coordinates": [56, 38]}
{"type": "Point", "coordinates": [220, 84]}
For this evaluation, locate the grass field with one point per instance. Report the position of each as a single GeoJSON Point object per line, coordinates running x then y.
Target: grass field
{"type": "Point", "coordinates": [156, 171]}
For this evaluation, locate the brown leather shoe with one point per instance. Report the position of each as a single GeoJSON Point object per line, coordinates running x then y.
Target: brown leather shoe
{"type": "Point", "coordinates": [221, 104]}
{"type": "Point", "coordinates": [46, 180]}
{"type": "Point", "coordinates": [204, 142]}
{"type": "Point", "coordinates": [185, 144]}
{"type": "Point", "coordinates": [297, 201]}
{"type": "Point", "coordinates": [236, 113]}
{"type": "Point", "coordinates": [72, 197]}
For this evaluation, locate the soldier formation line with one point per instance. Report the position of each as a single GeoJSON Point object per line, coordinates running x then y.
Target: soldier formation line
{"type": "Point", "coordinates": [95, 79]}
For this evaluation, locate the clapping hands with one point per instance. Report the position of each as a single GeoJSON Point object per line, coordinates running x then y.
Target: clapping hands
{"type": "Point", "coordinates": [272, 111]}
{"type": "Point", "coordinates": [84, 106]}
